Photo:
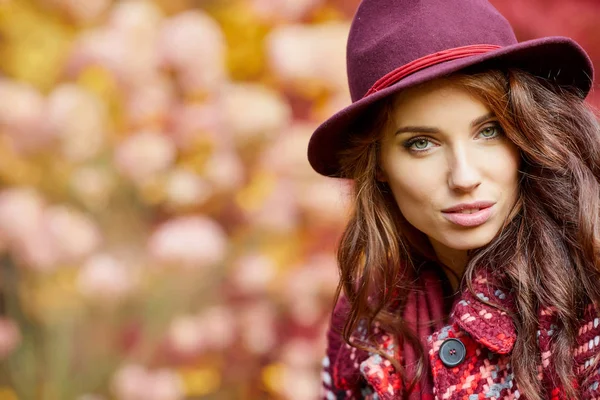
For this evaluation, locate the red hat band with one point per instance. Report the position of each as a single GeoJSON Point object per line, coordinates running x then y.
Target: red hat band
{"type": "Point", "coordinates": [431, 59]}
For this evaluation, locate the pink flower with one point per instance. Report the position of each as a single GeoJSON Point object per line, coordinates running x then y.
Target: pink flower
{"type": "Point", "coordinates": [74, 235]}
{"type": "Point", "coordinates": [194, 242]}
{"type": "Point", "coordinates": [253, 112]}
{"type": "Point", "coordinates": [300, 53]}
{"type": "Point", "coordinates": [278, 212]}
{"type": "Point", "coordinates": [150, 104]}
{"type": "Point", "coordinates": [22, 224]}
{"type": "Point", "coordinates": [126, 46]}
{"type": "Point", "coordinates": [300, 384]}
{"type": "Point", "coordinates": [41, 236]}
{"type": "Point", "coordinates": [21, 211]}
{"type": "Point", "coordinates": [10, 337]}
{"type": "Point", "coordinates": [186, 336]}
{"type": "Point", "coordinates": [185, 188]}
{"type": "Point", "coordinates": [300, 353]}
{"type": "Point", "coordinates": [257, 327]}
{"type": "Point", "coordinates": [193, 45]}
{"type": "Point", "coordinates": [79, 119]}
{"type": "Point", "coordinates": [193, 125]}
{"type": "Point", "coordinates": [287, 155]}
{"type": "Point", "coordinates": [306, 285]}
{"type": "Point", "coordinates": [100, 47]}
{"type": "Point", "coordinates": [325, 202]}
{"type": "Point", "coordinates": [211, 329]}
{"type": "Point", "coordinates": [137, 19]}
{"type": "Point", "coordinates": [225, 171]}
{"type": "Point", "coordinates": [134, 382]}
{"type": "Point", "coordinates": [93, 186]}
{"type": "Point", "coordinates": [103, 277]}
{"type": "Point", "coordinates": [22, 116]}
{"type": "Point", "coordinates": [144, 154]}
{"type": "Point", "coordinates": [219, 327]}
{"type": "Point", "coordinates": [284, 10]}
{"type": "Point", "coordinates": [253, 273]}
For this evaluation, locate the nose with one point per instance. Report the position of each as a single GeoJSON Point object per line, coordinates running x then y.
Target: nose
{"type": "Point", "coordinates": [463, 172]}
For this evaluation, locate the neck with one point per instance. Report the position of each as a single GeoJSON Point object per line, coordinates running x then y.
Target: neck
{"type": "Point", "coordinates": [454, 260]}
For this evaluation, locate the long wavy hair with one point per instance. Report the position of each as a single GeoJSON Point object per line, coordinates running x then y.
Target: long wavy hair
{"type": "Point", "coordinates": [548, 247]}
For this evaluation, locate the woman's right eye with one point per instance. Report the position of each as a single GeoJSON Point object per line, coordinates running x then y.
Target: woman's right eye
{"type": "Point", "coordinates": [418, 144]}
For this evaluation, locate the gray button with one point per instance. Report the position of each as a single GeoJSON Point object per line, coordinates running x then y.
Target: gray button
{"type": "Point", "coordinates": [452, 352]}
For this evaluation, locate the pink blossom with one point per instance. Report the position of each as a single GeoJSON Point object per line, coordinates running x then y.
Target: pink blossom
{"type": "Point", "coordinates": [185, 188]}
{"type": "Point", "coordinates": [193, 125]}
{"type": "Point", "coordinates": [126, 46]}
{"type": "Point", "coordinates": [257, 327]}
{"type": "Point", "coordinates": [300, 353]}
{"type": "Point", "coordinates": [211, 329]}
{"type": "Point", "coordinates": [299, 53]}
{"type": "Point", "coordinates": [307, 284]}
{"type": "Point", "coordinates": [22, 116]}
{"type": "Point", "coordinates": [22, 224]}
{"type": "Point", "coordinates": [73, 233]}
{"type": "Point", "coordinates": [300, 384]}
{"type": "Point", "coordinates": [137, 19]}
{"type": "Point", "coordinates": [253, 273]}
{"type": "Point", "coordinates": [134, 382]}
{"type": "Point", "coordinates": [100, 47]}
{"type": "Point", "coordinates": [186, 335]}
{"type": "Point", "coordinates": [325, 201]}
{"type": "Point", "coordinates": [93, 185]}
{"type": "Point", "coordinates": [144, 154]}
{"type": "Point", "coordinates": [150, 104]}
{"type": "Point", "coordinates": [79, 119]}
{"type": "Point", "coordinates": [21, 211]}
{"type": "Point", "coordinates": [252, 111]}
{"type": "Point", "coordinates": [194, 242]}
{"type": "Point", "coordinates": [284, 10]}
{"type": "Point", "coordinates": [193, 45]}
{"type": "Point", "coordinates": [225, 171]}
{"type": "Point", "coordinates": [287, 155]}
{"type": "Point", "coordinates": [102, 277]}
{"type": "Point", "coordinates": [10, 336]}
{"type": "Point", "coordinates": [279, 211]}
{"type": "Point", "coordinates": [219, 326]}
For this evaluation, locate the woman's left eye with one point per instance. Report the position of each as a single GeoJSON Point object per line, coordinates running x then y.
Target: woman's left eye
{"type": "Point", "coordinates": [490, 131]}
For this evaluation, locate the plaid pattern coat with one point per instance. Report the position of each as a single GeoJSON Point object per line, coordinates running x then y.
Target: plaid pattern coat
{"type": "Point", "coordinates": [488, 336]}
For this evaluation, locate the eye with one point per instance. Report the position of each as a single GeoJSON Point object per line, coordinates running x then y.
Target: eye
{"type": "Point", "coordinates": [490, 131]}
{"type": "Point", "coordinates": [418, 144]}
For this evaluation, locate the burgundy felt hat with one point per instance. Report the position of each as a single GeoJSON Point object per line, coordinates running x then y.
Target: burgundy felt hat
{"type": "Point", "coordinates": [397, 44]}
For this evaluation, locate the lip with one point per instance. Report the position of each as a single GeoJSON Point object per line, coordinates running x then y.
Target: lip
{"type": "Point", "coordinates": [454, 215]}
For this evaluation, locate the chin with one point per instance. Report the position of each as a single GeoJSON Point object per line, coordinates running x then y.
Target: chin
{"type": "Point", "coordinates": [469, 241]}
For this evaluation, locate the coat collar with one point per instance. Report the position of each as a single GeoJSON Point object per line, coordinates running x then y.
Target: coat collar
{"type": "Point", "coordinates": [489, 326]}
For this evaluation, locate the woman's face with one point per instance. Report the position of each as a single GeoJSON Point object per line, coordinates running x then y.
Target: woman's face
{"type": "Point", "coordinates": [452, 171]}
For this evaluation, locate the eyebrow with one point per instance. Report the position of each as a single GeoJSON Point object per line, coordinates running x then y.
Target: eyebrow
{"type": "Point", "coordinates": [429, 129]}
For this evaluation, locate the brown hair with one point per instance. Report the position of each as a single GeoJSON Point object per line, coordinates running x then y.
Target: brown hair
{"type": "Point", "coordinates": [548, 250]}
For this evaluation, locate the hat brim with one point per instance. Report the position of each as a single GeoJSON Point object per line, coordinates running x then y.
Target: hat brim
{"type": "Point", "coordinates": [559, 58]}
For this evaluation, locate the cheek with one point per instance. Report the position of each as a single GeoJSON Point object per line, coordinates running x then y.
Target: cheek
{"type": "Point", "coordinates": [414, 190]}
{"type": "Point", "coordinates": [505, 167]}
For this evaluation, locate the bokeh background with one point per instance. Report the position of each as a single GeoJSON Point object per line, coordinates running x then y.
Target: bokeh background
{"type": "Point", "coordinates": [162, 235]}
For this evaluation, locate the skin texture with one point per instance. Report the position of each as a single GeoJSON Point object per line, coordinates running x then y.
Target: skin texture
{"type": "Point", "coordinates": [452, 161]}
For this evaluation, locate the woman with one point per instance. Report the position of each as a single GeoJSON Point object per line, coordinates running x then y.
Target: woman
{"type": "Point", "coordinates": [469, 268]}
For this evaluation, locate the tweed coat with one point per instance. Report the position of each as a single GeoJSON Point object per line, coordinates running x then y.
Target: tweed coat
{"type": "Point", "coordinates": [488, 336]}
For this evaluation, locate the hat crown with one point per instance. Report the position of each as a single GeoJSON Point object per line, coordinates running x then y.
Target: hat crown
{"type": "Point", "coordinates": [387, 34]}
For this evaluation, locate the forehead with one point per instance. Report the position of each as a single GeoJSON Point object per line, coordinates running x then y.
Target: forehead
{"type": "Point", "coordinates": [436, 102]}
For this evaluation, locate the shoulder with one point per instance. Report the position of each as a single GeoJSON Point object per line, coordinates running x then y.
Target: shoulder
{"type": "Point", "coordinates": [587, 351]}
{"type": "Point", "coordinates": [341, 377]}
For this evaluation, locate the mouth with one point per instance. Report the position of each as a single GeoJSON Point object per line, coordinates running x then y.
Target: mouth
{"type": "Point", "coordinates": [469, 215]}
